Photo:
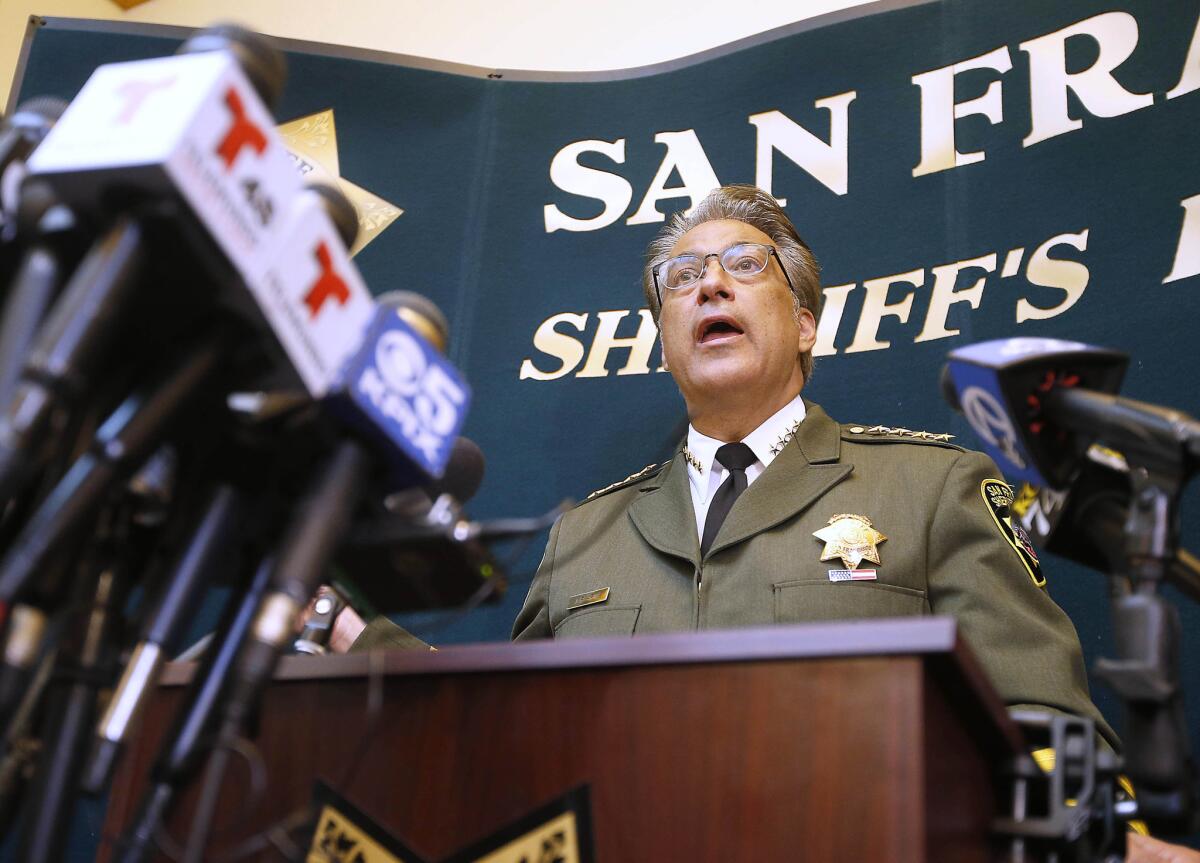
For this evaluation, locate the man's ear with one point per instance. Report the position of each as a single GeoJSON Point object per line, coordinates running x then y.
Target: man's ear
{"type": "Point", "coordinates": [662, 348]}
{"type": "Point", "coordinates": [807, 325]}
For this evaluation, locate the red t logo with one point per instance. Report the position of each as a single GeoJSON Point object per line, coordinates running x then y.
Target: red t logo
{"type": "Point", "coordinates": [242, 133]}
{"type": "Point", "coordinates": [329, 285]}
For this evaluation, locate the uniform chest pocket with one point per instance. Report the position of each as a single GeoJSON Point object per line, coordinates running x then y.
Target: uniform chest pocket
{"type": "Point", "coordinates": [615, 620]}
{"type": "Point", "coordinates": [810, 600]}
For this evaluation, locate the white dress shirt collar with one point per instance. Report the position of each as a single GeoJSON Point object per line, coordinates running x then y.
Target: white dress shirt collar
{"type": "Point", "coordinates": [707, 478]}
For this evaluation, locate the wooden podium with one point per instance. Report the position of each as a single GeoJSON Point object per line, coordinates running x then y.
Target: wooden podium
{"type": "Point", "coordinates": [866, 741]}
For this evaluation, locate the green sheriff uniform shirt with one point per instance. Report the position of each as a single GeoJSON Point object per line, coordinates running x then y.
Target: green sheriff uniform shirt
{"type": "Point", "coordinates": [627, 561]}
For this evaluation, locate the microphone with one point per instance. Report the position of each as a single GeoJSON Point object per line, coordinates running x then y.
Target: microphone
{"type": "Point", "coordinates": [411, 557]}
{"type": "Point", "coordinates": [56, 243]}
{"type": "Point", "coordinates": [1041, 406]}
{"type": "Point", "coordinates": [115, 138]}
{"type": "Point", "coordinates": [313, 639]}
{"type": "Point", "coordinates": [1086, 523]}
{"type": "Point", "coordinates": [122, 443]}
{"type": "Point", "coordinates": [441, 564]}
{"type": "Point", "coordinates": [189, 133]}
{"type": "Point", "coordinates": [1003, 388]}
{"type": "Point", "coordinates": [401, 395]}
{"type": "Point", "coordinates": [208, 545]}
{"type": "Point", "coordinates": [400, 405]}
{"type": "Point", "coordinates": [1038, 403]}
{"type": "Point", "coordinates": [188, 739]}
{"type": "Point", "coordinates": [461, 480]}
{"type": "Point", "coordinates": [20, 134]}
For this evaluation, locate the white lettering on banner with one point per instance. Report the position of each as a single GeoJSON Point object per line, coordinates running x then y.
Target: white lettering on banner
{"type": "Point", "coordinates": [1116, 35]}
{"type": "Point", "coordinates": [1096, 88]}
{"type": "Point", "coordinates": [1187, 254]}
{"type": "Point", "coordinates": [567, 174]}
{"type": "Point", "coordinates": [606, 340]}
{"type": "Point", "coordinates": [685, 155]}
{"type": "Point", "coordinates": [1189, 78]}
{"type": "Point", "coordinates": [944, 295]}
{"type": "Point", "coordinates": [1043, 268]}
{"type": "Point", "coordinates": [826, 162]}
{"type": "Point", "coordinates": [1070, 277]}
{"type": "Point", "coordinates": [876, 308]}
{"type": "Point", "coordinates": [939, 111]}
{"type": "Point", "coordinates": [832, 309]}
{"type": "Point", "coordinates": [551, 342]}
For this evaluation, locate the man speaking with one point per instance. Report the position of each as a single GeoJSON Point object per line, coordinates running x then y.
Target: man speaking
{"type": "Point", "coordinates": [771, 512]}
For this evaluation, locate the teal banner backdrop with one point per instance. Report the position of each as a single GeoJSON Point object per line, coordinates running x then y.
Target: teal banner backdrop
{"type": "Point", "coordinates": [964, 170]}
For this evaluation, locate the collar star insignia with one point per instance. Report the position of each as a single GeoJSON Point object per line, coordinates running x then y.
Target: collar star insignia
{"type": "Point", "coordinates": [851, 538]}
{"type": "Point", "coordinates": [785, 438]}
{"type": "Point", "coordinates": [312, 141]}
{"type": "Point", "coordinates": [692, 460]}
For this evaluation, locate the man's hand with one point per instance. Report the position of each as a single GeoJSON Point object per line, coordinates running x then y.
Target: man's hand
{"type": "Point", "coordinates": [347, 627]}
{"type": "Point", "coordinates": [1143, 849]}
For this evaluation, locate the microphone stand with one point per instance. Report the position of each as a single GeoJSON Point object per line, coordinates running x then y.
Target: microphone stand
{"type": "Point", "coordinates": [104, 578]}
{"type": "Point", "coordinates": [1145, 672]}
{"type": "Point", "coordinates": [308, 546]}
{"type": "Point", "coordinates": [1162, 449]}
{"type": "Point", "coordinates": [189, 738]}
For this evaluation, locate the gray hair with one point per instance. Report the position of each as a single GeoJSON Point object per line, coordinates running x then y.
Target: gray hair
{"type": "Point", "coordinates": [749, 204]}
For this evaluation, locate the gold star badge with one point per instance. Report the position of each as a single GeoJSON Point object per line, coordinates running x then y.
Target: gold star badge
{"type": "Point", "coordinates": [312, 141]}
{"type": "Point", "coordinates": [850, 537]}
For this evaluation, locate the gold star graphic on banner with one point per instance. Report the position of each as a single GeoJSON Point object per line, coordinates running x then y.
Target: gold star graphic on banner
{"type": "Point", "coordinates": [850, 537]}
{"type": "Point", "coordinates": [312, 141]}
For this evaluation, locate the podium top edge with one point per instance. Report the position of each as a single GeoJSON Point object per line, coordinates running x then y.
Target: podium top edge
{"type": "Point", "coordinates": [859, 638]}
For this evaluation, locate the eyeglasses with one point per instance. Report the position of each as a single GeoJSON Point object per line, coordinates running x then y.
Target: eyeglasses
{"type": "Point", "coordinates": [743, 261]}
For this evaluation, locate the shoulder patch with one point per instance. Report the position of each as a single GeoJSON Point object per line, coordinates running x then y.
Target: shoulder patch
{"type": "Point", "coordinates": [888, 434]}
{"type": "Point", "coordinates": [998, 496]}
{"type": "Point", "coordinates": [645, 473]}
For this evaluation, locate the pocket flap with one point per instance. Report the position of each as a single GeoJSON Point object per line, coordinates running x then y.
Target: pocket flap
{"type": "Point", "coordinates": [599, 621]}
{"type": "Point", "coordinates": [808, 601]}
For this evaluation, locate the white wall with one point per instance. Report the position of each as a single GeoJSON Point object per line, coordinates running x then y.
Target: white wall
{"type": "Point", "coordinates": [546, 35]}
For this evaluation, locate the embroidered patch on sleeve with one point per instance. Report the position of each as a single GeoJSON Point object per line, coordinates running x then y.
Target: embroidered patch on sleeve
{"type": "Point", "coordinates": [999, 499]}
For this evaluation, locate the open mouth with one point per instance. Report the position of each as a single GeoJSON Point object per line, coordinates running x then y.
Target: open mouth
{"type": "Point", "coordinates": [718, 329]}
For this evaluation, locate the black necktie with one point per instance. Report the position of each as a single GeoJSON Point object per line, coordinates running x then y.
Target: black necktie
{"type": "Point", "coordinates": [735, 458]}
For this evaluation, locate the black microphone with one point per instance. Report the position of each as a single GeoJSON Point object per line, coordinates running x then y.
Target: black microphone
{"type": "Point", "coordinates": [408, 557]}
{"type": "Point", "coordinates": [461, 480]}
{"type": "Point", "coordinates": [207, 548]}
{"type": "Point", "coordinates": [1086, 522]}
{"type": "Point", "coordinates": [189, 738]}
{"type": "Point", "coordinates": [54, 243]}
{"type": "Point", "coordinates": [20, 135]}
{"type": "Point", "coordinates": [397, 406]}
{"type": "Point", "coordinates": [313, 639]}
{"type": "Point", "coordinates": [24, 129]}
{"type": "Point", "coordinates": [388, 579]}
{"type": "Point", "coordinates": [112, 122]}
{"type": "Point", "coordinates": [120, 447]}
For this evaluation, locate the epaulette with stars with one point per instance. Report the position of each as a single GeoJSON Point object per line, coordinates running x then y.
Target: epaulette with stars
{"type": "Point", "coordinates": [888, 434]}
{"type": "Point", "coordinates": [645, 473]}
